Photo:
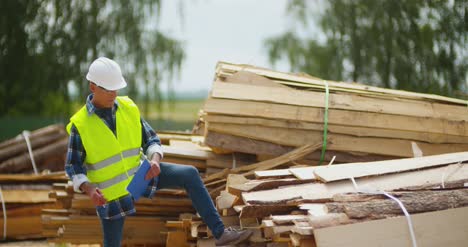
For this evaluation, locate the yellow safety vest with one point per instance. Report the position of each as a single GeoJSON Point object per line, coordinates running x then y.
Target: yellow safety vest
{"type": "Point", "coordinates": [111, 161]}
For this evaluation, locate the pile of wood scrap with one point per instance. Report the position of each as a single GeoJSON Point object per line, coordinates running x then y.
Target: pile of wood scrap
{"type": "Point", "coordinates": [192, 152]}
{"type": "Point", "coordinates": [349, 200]}
{"type": "Point", "coordinates": [23, 197]}
{"type": "Point", "coordinates": [260, 111]}
{"type": "Point", "coordinates": [76, 221]}
{"type": "Point", "coordinates": [47, 147]}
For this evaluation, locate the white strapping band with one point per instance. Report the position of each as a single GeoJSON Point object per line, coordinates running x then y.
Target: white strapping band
{"type": "Point", "coordinates": [331, 161]}
{"type": "Point", "coordinates": [445, 176]}
{"type": "Point", "coordinates": [234, 163]}
{"type": "Point", "coordinates": [28, 143]}
{"type": "Point", "coordinates": [408, 217]}
{"type": "Point", "coordinates": [4, 214]}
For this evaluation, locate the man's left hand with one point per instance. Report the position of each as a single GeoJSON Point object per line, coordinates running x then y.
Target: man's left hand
{"type": "Point", "coordinates": [154, 169]}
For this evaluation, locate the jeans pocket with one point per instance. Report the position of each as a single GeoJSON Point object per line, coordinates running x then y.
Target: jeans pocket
{"type": "Point", "coordinates": [103, 211]}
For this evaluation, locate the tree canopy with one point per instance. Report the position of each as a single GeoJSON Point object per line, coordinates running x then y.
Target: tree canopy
{"type": "Point", "coordinates": [415, 45]}
{"type": "Point", "coordinates": [46, 45]}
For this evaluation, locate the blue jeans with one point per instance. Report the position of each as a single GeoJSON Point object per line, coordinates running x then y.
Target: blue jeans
{"type": "Point", "coordinates": [174, 176]}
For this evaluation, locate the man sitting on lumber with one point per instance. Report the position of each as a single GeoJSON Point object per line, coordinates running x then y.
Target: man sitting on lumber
{"type": "Point", "coordinates": [104, 151]}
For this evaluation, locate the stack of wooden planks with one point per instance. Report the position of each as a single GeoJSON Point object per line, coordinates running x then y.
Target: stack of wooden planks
{"type": "Point", "coordinates": [304, 206]}
{"type": "Point", "coordinates": [76, 221]}
{"type": "Point", "coordinates": [48, 148]}
{"type": "Point", "coordinates": [69, 224]}
{"type": "Point", "coordinates": [324, 202]}
{"type": "Point", "coordinates": [191, 151]}
{"type": "Point", "coordinates": [23, 197]}
{"type": "Point", "coordinates": [260, 111]}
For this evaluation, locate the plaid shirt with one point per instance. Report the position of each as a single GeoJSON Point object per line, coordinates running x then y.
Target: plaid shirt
{"type": "Point", "coordinates": [76, 155]}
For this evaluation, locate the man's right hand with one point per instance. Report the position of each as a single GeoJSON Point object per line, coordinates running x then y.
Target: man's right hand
{"type": "Point", "coordinates": [94, 193]}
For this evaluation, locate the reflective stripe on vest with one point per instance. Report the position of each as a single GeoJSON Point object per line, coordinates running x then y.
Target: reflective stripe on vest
{"type": "Point", "coordinates": [117, 179]}
{"type": "Point", "coordinates": [111, 160]}
{"type": "Point", "coordinates": [114, 159]}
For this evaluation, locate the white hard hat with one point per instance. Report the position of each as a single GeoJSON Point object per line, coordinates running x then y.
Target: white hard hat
{"type": "Point", "coordinates": [106, 73]}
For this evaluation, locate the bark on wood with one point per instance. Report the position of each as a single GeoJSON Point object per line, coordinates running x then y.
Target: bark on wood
{"type": "Point", "coordinates": [257, 211]}
{"type": "Point", "coordinates": [23, 163]}
{"type": "Point", "coordinates": [414, 202]}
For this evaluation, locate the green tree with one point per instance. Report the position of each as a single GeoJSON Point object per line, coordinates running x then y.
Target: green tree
{"type": "Point", "coordinates": [46, 45]}
{"type": "Point", "coordinates": [415, 45]}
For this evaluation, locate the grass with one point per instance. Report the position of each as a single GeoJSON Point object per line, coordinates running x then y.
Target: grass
{"type": "Point", "coordinates": [179, 115]}
{"type": "Point", "coordinates": [180, 110]}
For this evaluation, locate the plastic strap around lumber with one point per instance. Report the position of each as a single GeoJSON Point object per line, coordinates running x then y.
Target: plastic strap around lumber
{"type": "Point", "coordinates": [444, 174]}
{"type": "Point", "coordinates": [407, 215]}
{"type": "Point", "coordinates": [4, 214]}
{"type": "Point", "coordinates": [31, 156]}
{"type": "Point", "coordinates": [234, 163]}
{"type": "Point", "coordinates": [325, 124]}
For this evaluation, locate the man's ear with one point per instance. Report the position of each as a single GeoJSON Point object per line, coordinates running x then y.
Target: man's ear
{"type": "Point", "coordinates": [92, 87]}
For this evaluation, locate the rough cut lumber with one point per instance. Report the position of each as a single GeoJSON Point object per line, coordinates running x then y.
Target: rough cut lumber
{"type": "Point", "coordinates": [414, 202]}
{"type": "Point", "coordinates": [187, 153]}
{"type": "Point", "coordinates": [338, 142]}
{"type": "Point", "coordinates": [253, 211]}
{"type": "Point", "coordinates": [339, 129]}
{"type": "Point", "coordinates": [245, 145]}
{"type": "Point", "coordinates": [319, 191]}
{"type": "Point", "coordinates": [26, 196]}
{"type": "Point", "coordinates": [39, 141]}
{"type": "Point", "coordinates": [345, 171]}
{"type": "Point", "coordinates": [222, 68]}
{"type": "Point", "coordinates": [270, 164]}
{"type": "Point", "coordinates": [335, 116]}
{"type": "Point", "coordinates": [34, 134]}
{"type": "Point", "coordinates": [440, 228]}
{"type": "Point", "coordinates": [285, 95]}
{"type": "Point", "coordinates": [23, 162]}
{"type": "Point", "coordinates": [254, 185]}
{"type": "Point", "coordinates": [278, 173]}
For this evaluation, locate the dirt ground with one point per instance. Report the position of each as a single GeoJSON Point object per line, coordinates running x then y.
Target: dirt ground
{"type": "Point", "coordinates": [41, 243]}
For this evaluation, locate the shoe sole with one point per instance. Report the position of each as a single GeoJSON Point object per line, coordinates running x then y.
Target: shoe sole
{"type": "Point", "coordinates": [240, 240]}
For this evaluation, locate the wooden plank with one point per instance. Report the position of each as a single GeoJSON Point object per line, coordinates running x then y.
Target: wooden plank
{"type": "Point", "coordinates": [273, 173]}
{"type": "Point", "coordinates": [188, 153]}
{"type": "Point", "coordinates": [338, 101]}
{"type": "Point", "coordinates": [345, 171]}
{"type": "Point", "coordinates": [199, 164]}
{"type": "Point", "coordinates": [255, 185]}
{"type": "Point", "coordinates": [283, 219]}
{"type": "Point", "coordinates": [339, 129]}
{"type": "Point", "coordinates": [296, 137]}
{"type": "Point", "coordinates": [26, 196]}
{"type": "Point", "coordinates": [223, 66]}
{"type": "Point", "coordinates": [304, 173]}
{"type": "Point", "coordinates": [441, 228]}
{"type": "Point", "coordinates": [388, 182]}
{"type": "Point", "coordinates": [246, 145]}
{"type": "Point", "coordinates": [269, 164]}
{"type": "Point", "coordinates": [335, 116]}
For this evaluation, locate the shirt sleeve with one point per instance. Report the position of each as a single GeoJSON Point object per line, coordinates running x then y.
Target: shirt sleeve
{"type": "Point", "coordinates": [74, 165]}
{"type": "Point", "coordinates": [150, 141]}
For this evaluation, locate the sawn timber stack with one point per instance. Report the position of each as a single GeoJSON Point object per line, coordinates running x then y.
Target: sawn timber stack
{"type": "Point", "coordinates": [278, 111]}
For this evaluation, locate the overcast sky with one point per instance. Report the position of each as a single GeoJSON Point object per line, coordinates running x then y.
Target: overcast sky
{"type": "Point", "coordinates": [221, 30]}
